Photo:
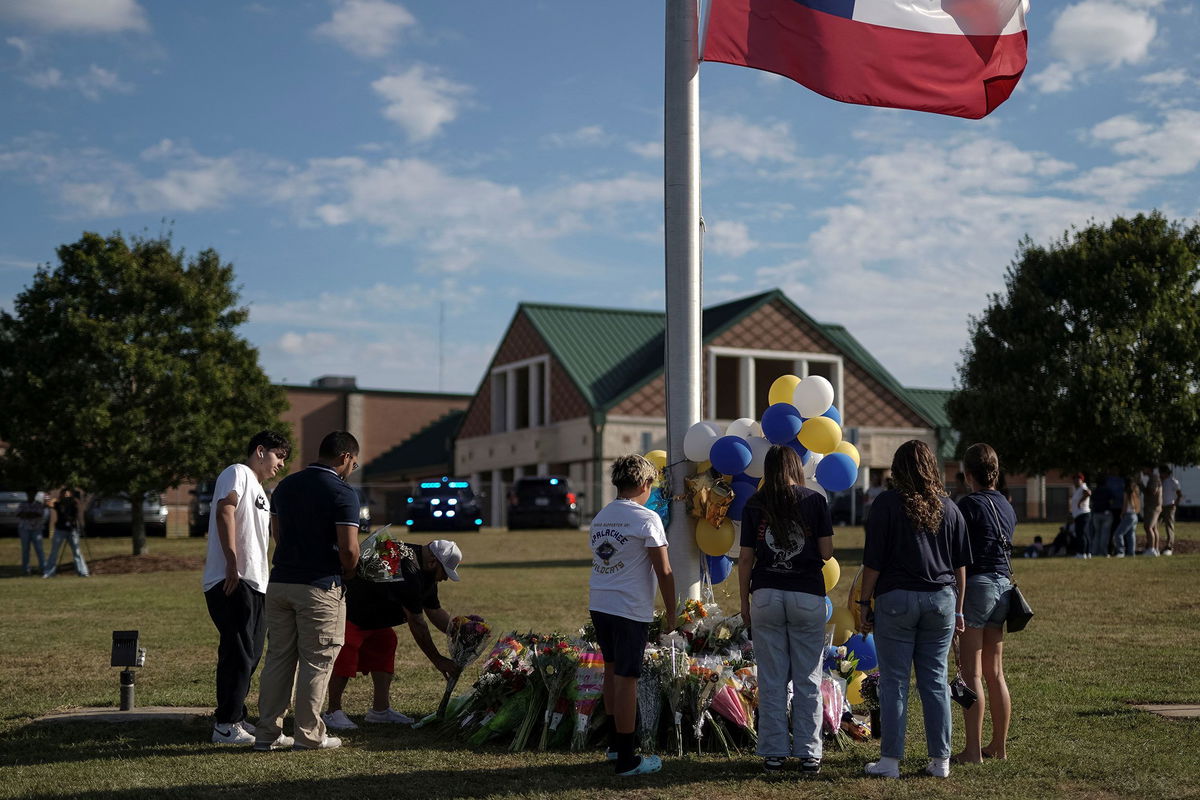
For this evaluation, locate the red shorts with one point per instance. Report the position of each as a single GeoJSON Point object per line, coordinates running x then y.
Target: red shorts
{"type": "Point", "coordinates": [366, 651]}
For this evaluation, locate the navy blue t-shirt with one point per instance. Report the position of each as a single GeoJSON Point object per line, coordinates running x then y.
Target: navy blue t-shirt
{"type": "Point", "coordinates": [371, 606]}
{"type": "Point", "coordinates": [988, 545]}
{"type": "Point", "coordinates": [920, 561]}
{"type": "Point", "coordinates": [309, 506]}
{"type": "Point", "coordinates": [796, 568]}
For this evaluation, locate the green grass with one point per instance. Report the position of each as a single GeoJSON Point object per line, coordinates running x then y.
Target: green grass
{"type": "Point", "coordinates": [1108, 632]}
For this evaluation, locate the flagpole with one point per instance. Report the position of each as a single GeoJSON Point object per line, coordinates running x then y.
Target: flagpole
{"type": "Point", "coordinates": [681, 204]}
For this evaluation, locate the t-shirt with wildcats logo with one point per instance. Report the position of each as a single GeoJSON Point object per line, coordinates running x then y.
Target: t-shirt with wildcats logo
{"type": "Point", "coordinates": [623, 581]}
{"type": "Point", "coordinates": [792, 563]}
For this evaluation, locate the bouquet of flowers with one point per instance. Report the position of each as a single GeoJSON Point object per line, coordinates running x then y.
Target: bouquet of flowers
{"type": "Point", "coordinates": [833, 698]}
{"type": "Point", "coordinates": [380, 555]}
{"type": "Point", "coordinates": [674, 676]}
{"type": "Point", "coordinates": [650, 698]}
{"type": "Point", "coordinates": [841, 663]}
{"type": "Point", "coordinates": [730, 704]}
{"type": "Point", "coordinates": [555, 661]}
{"type": "Point", "coordinates": [869, 689]}
{"type": "Point", "coordinates": [589, 688]}
{"type": "Point", "coordinates": [703, 681]}
{"type": "Point", "coordinates": [467, 636]}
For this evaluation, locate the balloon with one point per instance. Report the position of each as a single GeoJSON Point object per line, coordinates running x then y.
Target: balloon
{"type": "Point", "coordinates": [843, 625]}
{"type": "Point", "coordinates": [864, 648]}
{"type": "Point", "coordinates": [782, 389]}
{"type": "Point", "coordinates": [719, 568]}
{"type": "Point", "coordinates": [816, 487]}
{"type": "Point", "coordinates": [780, 423]}
{"type": "Point", "coordinates": [820, 434]}
{"type": "Point", "coordinates": [813, 396]}
{"type": "Point", "coordinates": [742, 492]}
{"type": "Point", "coordinates": [730, 455]}
{"type": "Point", "coordinates": [658, 458]}
{"type": "Point", "coordinates": [802, 451]}
{"type": "Point", "coordinates": [758, 456]}
{"type": "Point", "coordinates": [744, 427]}
{"type": "Point", "coordinates": [850, 450]}
{"type": "Point", "coordinates": [698, 440]}
{"type": "Point", "coordinates": [854, 688]}
{"type": "Point", "coordinates": [703, 466]}
{"type": "Point", "coordinates": [833, 414]}
{"type": "Point", "coordinates": [810, 468]}
{"type": "Point", "coordinates": [832, 572]}
{"type": "Point", "coordinates": [837, 472]}
{"type": "Point", "coordinates": [828, 608]}
{"type": "Point", "coordinates": [714, 541]}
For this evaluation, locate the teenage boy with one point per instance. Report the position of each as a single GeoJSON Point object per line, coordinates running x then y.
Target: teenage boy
{"type": "Point", "coordinates": [629, 552]}
{"type": "Point", "coordinates": [374, 609]}
{"type": "Point", "coordinates": [235, 577]}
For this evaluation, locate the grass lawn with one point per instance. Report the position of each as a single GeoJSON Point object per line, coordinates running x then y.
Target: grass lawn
{"type": "Point", "coordinates": [1108, 633]}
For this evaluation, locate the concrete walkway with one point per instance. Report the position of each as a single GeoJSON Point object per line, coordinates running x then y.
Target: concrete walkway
{"type": "Point", "coordinates": [1172, 711]}
{"type": "Point", "coordinates": [140, 714]}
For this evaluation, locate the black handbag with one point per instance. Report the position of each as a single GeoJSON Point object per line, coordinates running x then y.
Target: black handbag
{"type": "Point", "coordinates": [1019, 610]}
{"type": "Point", "coordinates": [960, 693]}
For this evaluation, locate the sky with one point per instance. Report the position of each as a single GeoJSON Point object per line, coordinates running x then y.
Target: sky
{"type": "Point", "coordinates": [390, 179]}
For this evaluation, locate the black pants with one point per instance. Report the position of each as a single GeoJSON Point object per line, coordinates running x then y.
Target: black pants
{"type": "Point", "coordinates": [240, 622]}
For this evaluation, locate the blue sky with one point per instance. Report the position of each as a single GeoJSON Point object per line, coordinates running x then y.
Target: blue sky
{"type": "Point", "coordinates": [365, 163]}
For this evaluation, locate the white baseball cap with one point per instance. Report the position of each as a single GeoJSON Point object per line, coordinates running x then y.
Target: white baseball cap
{"type": "Point", "coordinates": [448, 555]}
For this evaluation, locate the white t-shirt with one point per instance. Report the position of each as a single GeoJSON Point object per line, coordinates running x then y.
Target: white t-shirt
{"type": "Point", "coordinates": [623, 580]}
{"type": "Point", "coordinates": [1079, 503]}
{"type": "Point", "coordinates": [1169, 491]}
{"type": "Point", "coordinates": [252, 529]}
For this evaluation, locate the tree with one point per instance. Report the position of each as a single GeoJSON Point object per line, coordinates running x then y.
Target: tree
{"type": "Point", "coordinates": [123, 371]}
{"type": "Point", "coordinates": [1091, 359]}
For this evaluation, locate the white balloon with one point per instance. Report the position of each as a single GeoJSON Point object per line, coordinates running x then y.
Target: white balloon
{"type": "Point", "coordinates": [758, 455]}
{"type": "Point", "coordinates": [816, 487]}
{"type": "Point", "coordinates": [744, 427]}
{"type": "Point", "coordinates": [698, 441]}
{"type": "Point", "coordinates": [813, 396]}
{"type": "Point", "coordinates": [810, 469]}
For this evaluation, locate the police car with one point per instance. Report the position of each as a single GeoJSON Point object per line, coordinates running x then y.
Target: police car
{"type": "Point", "coordinates": [444, 505]}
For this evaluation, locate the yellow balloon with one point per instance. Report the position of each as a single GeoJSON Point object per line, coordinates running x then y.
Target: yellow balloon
{"type": "Point", "coordinates": [703, 467]}
{"type": "Point", "coordinates": [843, 625]}
{"type": "Point", "coordinates": [782, 389]}
{"type": "Point", "coordinates": [832, 571]}
{"type": "Point", "coordinates": [854, 688]}
{"type": "Point", "coordinates": [848, 449]}
{"type": "Point", "coordinates": [820, 434]}
{"type": "Point", "coordinates": [659, 458]}
{"type": "Point", "coordinates": [714, 541]}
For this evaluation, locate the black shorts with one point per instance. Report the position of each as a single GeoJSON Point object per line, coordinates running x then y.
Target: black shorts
{"type": "Point", "coordinates": [622, 641]}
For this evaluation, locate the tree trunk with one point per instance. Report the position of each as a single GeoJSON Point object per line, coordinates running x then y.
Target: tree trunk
{"type": "Point", "coordinates": [138, 523]}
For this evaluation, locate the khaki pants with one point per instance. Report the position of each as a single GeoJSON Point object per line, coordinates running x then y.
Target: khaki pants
{"type": "Point", "coordinates": [1168, 521]}
{"type": "Point", "coordinates": [305, 630]}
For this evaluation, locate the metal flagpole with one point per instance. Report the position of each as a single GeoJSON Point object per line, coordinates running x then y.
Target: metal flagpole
{"type": "Point", "coordinates": [681, 202]}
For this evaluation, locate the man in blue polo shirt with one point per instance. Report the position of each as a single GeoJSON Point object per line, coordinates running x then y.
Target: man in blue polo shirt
{"type": "Point", "coordinates": [314, 515]}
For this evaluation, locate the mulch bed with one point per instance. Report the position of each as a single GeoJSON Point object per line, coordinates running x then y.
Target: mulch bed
{"type": "Point", "coordinates": [148, 562]}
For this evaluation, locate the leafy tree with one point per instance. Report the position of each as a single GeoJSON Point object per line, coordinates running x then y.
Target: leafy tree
{"type": "Point", "coordinates": [123, 371]}
{"type": "Point", "coordinates": [1091, 359]}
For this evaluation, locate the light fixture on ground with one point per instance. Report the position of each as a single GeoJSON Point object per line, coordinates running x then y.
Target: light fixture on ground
{"type": "Point", "coordinates": [127, 654]}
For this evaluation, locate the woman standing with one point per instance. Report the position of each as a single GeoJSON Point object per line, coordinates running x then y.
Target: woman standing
{"type": "Point", "coordinates": [786, 538]}
{"type": "Point", "coordinates": [1126, 534]}
{"type": "Point", "coordinates": [915, 557]}
{"type": "Point", "coordinates": [990, 525]}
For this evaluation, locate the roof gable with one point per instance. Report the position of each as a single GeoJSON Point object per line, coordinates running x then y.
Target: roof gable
{"type": "Point", "coordinates": [430, 446]}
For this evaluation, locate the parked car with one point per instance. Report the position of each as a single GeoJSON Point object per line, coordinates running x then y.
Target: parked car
{"type": "Point", "coordinates": [113, 515]}
{"type": "Point", "coordinates": [444, 505]}
{"type": "Point", "coordinates": [200, 508]}
{"type": "Point", "coordinates": [544, 501]}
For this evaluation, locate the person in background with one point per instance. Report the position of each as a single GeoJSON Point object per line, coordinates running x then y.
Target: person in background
{"type": "Point", "coordinates": [990, 524]}
{"type": "Point", "coordinates": [67, 522]}
{"type": "Point", "coordinates": [914, 565]}
{"type": "Point", "coordinates": [872, 492]}
{"type": "Point", "coordinates": [1152, 500]}
{"type": "Point", "coordinates": [787, 536]}
{"type": "Point", "coordinates": [1172, 494]}
{"type": "Point", "coordinates": [1126, 533]}
{"type": "Point", "coordinates": [1102, 520]}
{"type": "Point", "coordinates": [31, 522]}
{"type": "Point", "coordinates": [1081, 517]}
{"type": "Point", "coordinates": [1036, 549]}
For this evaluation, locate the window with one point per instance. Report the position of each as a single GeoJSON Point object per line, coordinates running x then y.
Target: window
{"type": "Point", "coordinates": [521, 395]}
{"type": "Point", "coordinates": [739, 381]}
{"type": "Point", "coordinates": [728, 383]}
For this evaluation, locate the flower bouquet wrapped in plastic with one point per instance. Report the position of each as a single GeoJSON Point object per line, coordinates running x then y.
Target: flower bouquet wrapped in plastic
{"type": "Point", "coordinates": [589, 688]}
{"type": "Point", "coordinates": [730, 704]}
{"type": "Point", "coordinates": [833, 700]}
{"type": "Point", "coordinates": [674, 676]}
{"type": "Point", "coordinates": [555, 661]}
{"type": "Point", "coordinates": [650, 699]}
{"type": "Point", "coordinates": [703, 681]}
{"type": "Point", "coordinates": [380, 556]}
{"type": "Point", "coordinates": [467, 637]}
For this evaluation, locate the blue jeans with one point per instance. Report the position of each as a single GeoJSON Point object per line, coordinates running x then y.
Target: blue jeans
{"type": "Point", "coordinates": [789, 640]}
{"type": "Point", "coordinates": [1081, 542]}
{"type": "Point", "coordinates": [31, 536]}
{"type": "Point", "coordinates": [1126, 535]}
{"type": "Point", "coordinates": [1101, 532]}
{"type": "Point", "coordinates": [914, 629]}
{"type": "Point", "coordinates": [72, 538]}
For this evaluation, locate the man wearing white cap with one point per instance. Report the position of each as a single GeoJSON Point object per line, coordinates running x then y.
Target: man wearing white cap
{"type": "Point", "coordinates": [373, 610]}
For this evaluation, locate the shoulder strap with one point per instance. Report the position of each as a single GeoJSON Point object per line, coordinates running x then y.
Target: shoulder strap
{"type": "Point", "coordinates": [1006, 547]}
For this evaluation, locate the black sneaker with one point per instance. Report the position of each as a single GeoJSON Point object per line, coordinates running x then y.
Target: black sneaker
{"type": "Point", "coordinates": [811, 766]}
{"type": "Point", "coordinates": [773, 764]}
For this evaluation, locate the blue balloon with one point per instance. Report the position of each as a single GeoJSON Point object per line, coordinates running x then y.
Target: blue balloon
{"type": "Point", "coordinates": [742, 492]}
{"type": "Point", "coordinates": [719, 568]}
{"type": "Point", "coordinates": [828, 608]}
{"type": "Point", "coordinates": [730, 455]}
{"type": "Point", "coordinates": [800, 449]}
{"type": "Point", "coordinates": [836, 472]}
{"type": "Point", "coordinates": [833, 414]}
{"type": "Point", "coordinates": [864, 648]}
{"type": "Point", "coordinates": [781, 423]}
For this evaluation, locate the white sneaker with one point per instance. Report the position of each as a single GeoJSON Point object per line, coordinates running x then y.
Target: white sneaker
{"type": "Point", "coordinates": [1150, 551]}
{"type": "Point", "coordinates": [1120, 555]}
{"type": "Point", "coordinates": [1167, 552]}
{"type": "Point", "coordinates": [338, 721]}
{"type": "Point", "coordinates": [938, 768]}
{"type": "Point", "coordinates": [280, 743]}
{"type": "Point", "coordinates": [883, 768]}
{"type": "Point", "coordinates": [230, 734]}
{"type": "Point", "coordinates": [328, 743]}
{"type": "Point", "coordinates": [247, 727]}
{"type": "Point", "coordinates": [391, 715]}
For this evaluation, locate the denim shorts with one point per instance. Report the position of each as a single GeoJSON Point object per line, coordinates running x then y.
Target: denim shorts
{"type": "Point", "coordinates": [986, 601]}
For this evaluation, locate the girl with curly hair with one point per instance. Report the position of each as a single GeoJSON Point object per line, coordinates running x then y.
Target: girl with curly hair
{"type": "Point", "coordinates": [914, 565]}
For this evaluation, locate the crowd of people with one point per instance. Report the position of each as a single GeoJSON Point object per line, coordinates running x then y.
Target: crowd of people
{"type": "Point", "coordinates": [1105, 515]}
{"type": "Point", "coordinates": [65, 516]}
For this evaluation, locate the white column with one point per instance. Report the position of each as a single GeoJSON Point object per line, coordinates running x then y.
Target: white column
{"type": "Point", "coordinates": [497, 500]}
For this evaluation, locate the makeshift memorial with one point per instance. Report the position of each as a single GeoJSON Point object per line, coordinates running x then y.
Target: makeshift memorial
{"type": "Point", "coordinates": [467, 636]}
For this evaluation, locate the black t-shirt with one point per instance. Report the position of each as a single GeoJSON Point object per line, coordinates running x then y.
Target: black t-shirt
{"type": "Point", "coordinates": [794, 569]}
{"type": "Point", "coordinates": [309, 506]}
{"type": "Point", "coordinates": [67, 509]}
{"type": "Point", "coordinates": [988, 543]}
{"type": "Point", "coordinates": [372, 605]}
{"type": "Point", "coordinates": [920, 561]}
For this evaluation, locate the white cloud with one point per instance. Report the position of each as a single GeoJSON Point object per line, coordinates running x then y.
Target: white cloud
{"type": "Point", "coordinates": [728, 238]}
{"type": "Point", "coordinates": [49, 78]}
{"type": "Point", "coordinates": [420, 100]}
{"type": "Point", "coordinates": [735, 137]}
{"type": "Point", "coordinates": [370, 28]}
{"type": "Point", "coordinates": [77, 16]}
{"type": "Point", "coordinates": [587, 136]}
{"type": "Point", "coordinates": [98, 80]}
{"type": "Point", "coordinates": [1153, 153]}
{"type": "Point", "coordinates": [1125, 126]}
{"type": "Point", "coordinates": [652, 149]}
{"type": "Point", "coordinates": [24, 48]}
{"type": "Point", "coordinates": [1168, 77]}
{"type": "Point", "coordinates": [1096, 34]}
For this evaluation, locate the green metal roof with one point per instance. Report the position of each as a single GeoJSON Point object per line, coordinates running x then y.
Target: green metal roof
{"type": "Point", "coordinates": [932, 404]}
{"type": "Point", "coordinates": [431, 446]}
